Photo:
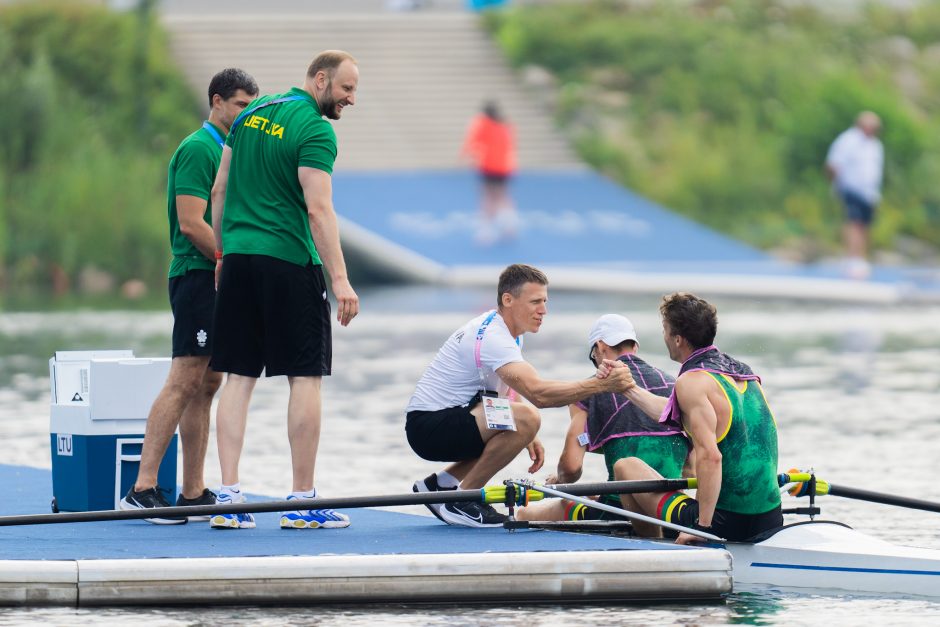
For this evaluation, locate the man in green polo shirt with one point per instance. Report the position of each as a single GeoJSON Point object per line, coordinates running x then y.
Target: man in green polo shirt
{"type": "Point", "coordinates": [273, 217]}
{"type": "Point", "coordinates": [187, 394]}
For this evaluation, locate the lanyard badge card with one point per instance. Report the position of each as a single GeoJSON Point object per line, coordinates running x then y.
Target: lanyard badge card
{"type": "Point", "coordinates": [498, 413]}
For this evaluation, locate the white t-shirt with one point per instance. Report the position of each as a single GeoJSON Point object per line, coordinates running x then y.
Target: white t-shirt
{"type": "Point", "coordinates": [858, 161]}
{"type": "Point", "coordinates": [453, 378]}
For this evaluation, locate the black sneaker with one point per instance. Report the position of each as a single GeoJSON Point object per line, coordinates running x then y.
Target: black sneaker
{"type": "Point", "coordinates": [472, 514]}
{"type": "Point", "coordinates": [206, 498]}
{"type": "Point", "coordinates": [146, 499]}
{"type": "Point", "coordinates": [429, 484]}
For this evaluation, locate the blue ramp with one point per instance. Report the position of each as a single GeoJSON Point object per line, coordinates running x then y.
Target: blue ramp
{"type": "Point", "coordinates": [565, 218]}
{"type": "Point", "coordinates": [587, 233]}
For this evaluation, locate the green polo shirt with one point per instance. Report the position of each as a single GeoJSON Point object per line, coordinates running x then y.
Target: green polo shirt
{"type": "Point", "coordinates": [265, 211]}
{"type": "Point", "coordinates": [191, 173]}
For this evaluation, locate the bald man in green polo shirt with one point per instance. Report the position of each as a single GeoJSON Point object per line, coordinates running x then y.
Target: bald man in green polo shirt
{"type": "Point", "coordinates": [275, 229]}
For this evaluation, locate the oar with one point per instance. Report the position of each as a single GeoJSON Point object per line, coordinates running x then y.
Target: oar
{"type": "Point", "coordinates": [823, 487]}
{"type": "Point", "coordinates": [489, 494]}
{"type": "Point", "coordinates": [881, 497]}
{"type": "Point", "coordinates": [616, 510]}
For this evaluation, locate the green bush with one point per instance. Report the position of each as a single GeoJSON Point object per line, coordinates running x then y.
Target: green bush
{"type": "Point", "coordinates": [93, 108]}
{"type": "Point", "coordinates": [729, 106]}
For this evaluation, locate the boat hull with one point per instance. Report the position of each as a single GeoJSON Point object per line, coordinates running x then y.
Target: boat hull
{"type": "Point", "coordinates": [830, 555]}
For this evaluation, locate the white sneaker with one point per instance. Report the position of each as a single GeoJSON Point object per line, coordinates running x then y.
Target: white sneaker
{"type": "Point", "coordinates": [313, 518]}
{"type": "Point", "coordinates": [857, 268]}
{"type": "Point", "coordinates": [231, 521]}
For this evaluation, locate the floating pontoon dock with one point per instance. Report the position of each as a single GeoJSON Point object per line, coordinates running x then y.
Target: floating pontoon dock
{"type": "Point", "coordinates": [383, 557]}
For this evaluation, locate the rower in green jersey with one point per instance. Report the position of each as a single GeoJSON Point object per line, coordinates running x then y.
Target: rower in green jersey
{"type": "Point", "coordinates": [719, 403]}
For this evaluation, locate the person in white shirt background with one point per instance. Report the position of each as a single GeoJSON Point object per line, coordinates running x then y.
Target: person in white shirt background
{"type": "Point", "coordinates": [855, 165]}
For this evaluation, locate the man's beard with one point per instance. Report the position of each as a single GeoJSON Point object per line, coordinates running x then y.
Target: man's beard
{"type": "Point", "coordinates": [329, 105]}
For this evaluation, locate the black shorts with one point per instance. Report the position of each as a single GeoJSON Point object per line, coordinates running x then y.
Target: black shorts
{"type": "Point", "coordinates": [491, 178]}
{"type": "Point", "coordinates": [445, 435]}
{"type": "Point", "coordinates": [681, 509]}
{"type": "Point", "coordinates": [271, 315]}
{"type": "Point", "coordinates": [857, 208]}
{"type": "Point", "coordinates": [192, 299]}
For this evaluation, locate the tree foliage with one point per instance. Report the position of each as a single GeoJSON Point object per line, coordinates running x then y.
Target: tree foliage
{"type": "Point", "coordinates": [724, 109]}
{"type": "Point", "coordinates": [93, 107]}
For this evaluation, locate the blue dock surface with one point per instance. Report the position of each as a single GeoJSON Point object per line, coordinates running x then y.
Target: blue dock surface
{"type": "Point", "coordinates": [382, 556]}
{"type": "Point", "coordinates": [372, 532]}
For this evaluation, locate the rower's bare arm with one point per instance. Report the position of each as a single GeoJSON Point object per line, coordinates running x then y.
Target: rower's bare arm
{"type": "Point", "coordinates": [700, 420]}
{"type": "Point", "coordinates": [571, 461]}
{"type": "Point", "coordinates": [651, 404]}
{"type": "Point", "coordinates": [324, 227]}
{"type": "Point", "coordinates": [522, 377]}
{"type": "Point", "coordinates": [191, 215]}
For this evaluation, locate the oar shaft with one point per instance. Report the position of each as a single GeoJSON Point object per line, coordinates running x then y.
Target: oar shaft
{"type": "Point", "coordinates": [420, 498]}
{"type": "Point", "coordinates": [885, 499]}
{"type": "Point", "coordinates": [491, 494]}
{"type": "Point", "coordinates": [625, 487]}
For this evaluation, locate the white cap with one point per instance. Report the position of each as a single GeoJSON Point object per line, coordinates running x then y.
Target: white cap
{"type": "Point", "coordinates": [612, 329]}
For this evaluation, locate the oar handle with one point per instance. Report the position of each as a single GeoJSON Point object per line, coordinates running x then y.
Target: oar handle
{"type": "Point", "coordinates": [823, 487]}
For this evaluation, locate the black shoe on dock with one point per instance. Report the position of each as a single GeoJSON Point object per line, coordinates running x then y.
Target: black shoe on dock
{"type": "Point", "coordinates": [206, 498]}
{"type": "Point", "coordinates": [472, 514]}
{"type": "Point", "coordinates": [429, 484]}
{"type": "Point", "coordinates": [148, 499]}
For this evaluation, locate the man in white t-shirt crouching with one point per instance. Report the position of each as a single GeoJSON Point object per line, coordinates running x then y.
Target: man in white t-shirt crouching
{"type": "Point", "coordinates": [447, 418]}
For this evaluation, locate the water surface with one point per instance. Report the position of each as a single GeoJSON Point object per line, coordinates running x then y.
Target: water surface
{"type": "Point", "coordinates": [855, 391]}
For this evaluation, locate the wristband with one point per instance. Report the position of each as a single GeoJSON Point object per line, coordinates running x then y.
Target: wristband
{"type": "Point", "coordinates": [218, 255]}
{"type": "Point", "coordinates": [700, 527]}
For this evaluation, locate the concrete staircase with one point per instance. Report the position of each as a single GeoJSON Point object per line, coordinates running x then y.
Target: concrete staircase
{"type": "Point", "coordinates": [423, 74]}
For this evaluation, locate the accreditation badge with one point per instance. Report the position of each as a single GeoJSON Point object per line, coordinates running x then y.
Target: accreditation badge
{"type": "Point", "coordinates": [498, 414]}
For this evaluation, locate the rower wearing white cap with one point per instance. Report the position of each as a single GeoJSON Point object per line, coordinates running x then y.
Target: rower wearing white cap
{"type": "Point", "coordinates": [611, 424]}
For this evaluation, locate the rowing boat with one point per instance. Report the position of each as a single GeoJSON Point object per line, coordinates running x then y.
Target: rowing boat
{"type": "Point", "coordinates": [826, 555]}
{"type": "Point", "coordinates": [821, 555]}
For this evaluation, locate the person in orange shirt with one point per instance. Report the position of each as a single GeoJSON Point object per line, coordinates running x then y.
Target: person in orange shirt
{"type": "Point", "coordinates": [491, 143]}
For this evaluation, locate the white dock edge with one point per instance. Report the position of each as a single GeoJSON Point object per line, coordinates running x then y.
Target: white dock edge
{"type": "Point", "coordinates": [451, 577]}
{"type": "Point", "coordinates": [38, 583]}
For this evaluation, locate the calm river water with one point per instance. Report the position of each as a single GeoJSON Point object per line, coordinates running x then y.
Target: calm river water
{"type": "Point", "coordinates": [855, 390]}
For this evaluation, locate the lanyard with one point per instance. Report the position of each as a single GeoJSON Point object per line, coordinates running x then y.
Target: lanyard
{"type": "Point", "coordinates": [244, 114]}
{"type": "Point", "coordinates": [213, 133]}
{"type": "Point", "coordinates": [478, 344]}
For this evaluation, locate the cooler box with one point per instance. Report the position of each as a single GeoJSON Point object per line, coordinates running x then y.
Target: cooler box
{"type": "Point", "coordinates": [100, 402]}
